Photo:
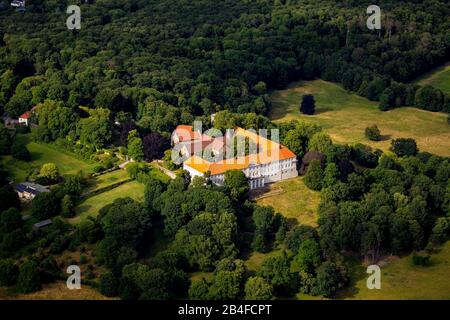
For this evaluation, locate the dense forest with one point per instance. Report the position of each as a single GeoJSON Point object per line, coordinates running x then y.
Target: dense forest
{"type": "Point", "coordinates": [137, 69]}
{"type": "Point", "coordinates": [197, 57]}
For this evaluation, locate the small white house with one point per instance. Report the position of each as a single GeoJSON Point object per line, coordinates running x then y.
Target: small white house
{"type": "Point", "coordinates": [25, 118]}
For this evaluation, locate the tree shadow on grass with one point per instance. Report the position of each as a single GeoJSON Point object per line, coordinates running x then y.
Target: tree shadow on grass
{"type": "Point", "coordinates": [322, 110]}
{"type": "Point", "coordinates": [356, 273]}
{"type": "Point", "coordinates": [35, 156]}
{"type": "Point", "coordinates": [385, 137]}
{"type": "Point", "coordinates": [83, 208]}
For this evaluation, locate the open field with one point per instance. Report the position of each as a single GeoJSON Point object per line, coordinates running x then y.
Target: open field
{"type": "Point", "coordinates": [293, 200]}
{"type": "Point", "coordinates": [91, 206]}
{"type": "Point", "coordinates": [438, 78]}
{"type": "Point", "coordinates": [106, 180]}
{"type": "Point", "coordinates": [400, 279]}
{"type": "Point", "coordinates": [55, 291]}
{"type": "Point", "coordinates": [40, 154]}
{"type": "Point", "coordinates": [345, 116]}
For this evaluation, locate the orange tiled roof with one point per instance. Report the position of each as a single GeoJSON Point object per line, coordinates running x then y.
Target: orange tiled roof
{"type": "Point", "coordinates": [186, 133]}
{"type": "Point", "coordinates": [276, 152]}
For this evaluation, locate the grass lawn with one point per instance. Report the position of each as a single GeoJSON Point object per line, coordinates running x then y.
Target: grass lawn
{"type": "Point", "coordinates": [345, 116]}
{"type": "Point", "coordinates": [438, 78]}
{"type": "Point", "coordinates": [255, 259]}
{"type": "Point", "coordinates": [400, 279]}
{"type": "Point", "coordinates": [293, 200]}
{"type": "Point", "coordinates": [54, 291]}
{"type": "Point", "coordinates": [196, 276]}
{"type": "Point", "coordinates": [106, 180]}
{"type": "Point", "coordinates": [40, 154]}
{"type": "Point", "coordinates": [91, 206]}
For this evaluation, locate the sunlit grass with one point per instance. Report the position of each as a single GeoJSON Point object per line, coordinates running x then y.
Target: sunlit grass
{"type": "Point", "coordinates": [345, 116]}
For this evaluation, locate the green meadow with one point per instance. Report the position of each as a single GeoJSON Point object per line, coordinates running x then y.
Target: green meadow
{"type": "Point", "coordinates": [345, 116]}
{"type": "Point", "coordinates": [91, 206]}
{"type": "Point", "coordinates": [438, 78]}
{"type": "Point", "coordinates": [294, 200]}
{"type": "Point", "coordinates": [44, 153]}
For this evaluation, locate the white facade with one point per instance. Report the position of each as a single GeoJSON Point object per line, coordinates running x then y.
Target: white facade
{"type": "Point", "coordinates": [258, 174]}
{"type": "Point", "coordinates": [24, 121]}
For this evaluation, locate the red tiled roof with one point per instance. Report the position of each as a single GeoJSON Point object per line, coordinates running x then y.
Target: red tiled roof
{"type": "Point", "coordinates": [186, 133]}
{"type": "Point", "coordinates": [26, 115]}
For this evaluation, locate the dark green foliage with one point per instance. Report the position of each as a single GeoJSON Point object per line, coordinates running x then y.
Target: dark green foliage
{"type": "Point", "coordinates": [440, 231]}
{"type": "Point", "coordinates": [308, 105]}
{"type": "Point", "coordinates": [314, 175]}
{"type": "Point", "coordinates": [429, 98]}
{"type": "Point", "coordinates": [308, 257]}
{"type": "Point", "coordinates": [277, 271]}
{"type": "Point", "coordinates": [55, 120]}
{"type": "Point", "coordinates": [365, 156]}
{"type": "Point", "coordinates": [45, 205]}
{"type": "Point", "coordinates": [298, 235]}
{"type": "Point", "coordinates": [124, 224]}
{"type": "Point", "coordinates": [206, 239]}
{"type": "Point", "coordinates": [236, 184]}
{"type": "Point", "coordinates": [373, 133]}
{"type": "Point", "coordinates": [199, 290]}
{"type": "Point", "coordinates": [5, 140]}
{"type": "Point", "coordinates": [67, 207]}
{"type": "Point", "coordinates": [226, 286]}
{"type": "Point", "coordinates": [8, 272]}
{"type": "Point", "coordinates": [10, 220]}
{"type": "Point", "coordinates": [152, 193]}
{"type": "Point", "coordinates": [109, 285]}
{"type": "Point", "coordinates": [139, 281]}
{"type": "Point", "coordinates": [29, 278]}
{"type": "Point", "coordinates": [20, 151]}
{"type": "Point", "coordinates": [404, 147]}
{"type": "Point", "coordinates": [331, 276]}
{"type": "Point", "coordinates": [421, 260]}
{"type": "Point", "coordinates": [257, 288]}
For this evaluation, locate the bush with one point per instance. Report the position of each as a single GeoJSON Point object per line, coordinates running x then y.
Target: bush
{"type": "Point", "coordinates": [67, 207]}
{"type": "Point", "coordinates": [373, 133]}
{"type": "Point", "coordinates": [421, 260]}
{"type": "Point", "coordinates": [259, 243]}
{"type": "Point", "coordinates": [404, 147]}
{"type": "Point", "coordinates": [83, 259]}
{"type": "Point", "coordinates": [108, 285]}
{"type": "Point", "coordinates": [29, 279]}
{"type": "Point", "coordinates": [98, 169]}
{"type": "Point", "coordinates": [8, 272]}
{"type": "Point", "coordinates": [20, 152]}
{"type": "Point", "coordinates": [308, 105]}
{"type": "Point", "coordinates": [314, 175]}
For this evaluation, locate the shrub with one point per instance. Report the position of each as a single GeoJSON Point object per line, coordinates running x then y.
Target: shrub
{"type": "Point", "coordinates": [308, 105]}
{"type": "Point", "coordinates": [98, 169]}
{"type": "Point", "coordinates": [373, 133]}
{"type": "Point", "coordinates": [67, 207]}
{"type": "Point", "coordinates": [8, 272]}
{"type": "Point", "coordinates": [20, 152]}
{"type": "Point", "coordinates": [29, 279]}
{"type": "Point", "coordinates": [108, 285]}
{"type": "Point", "coordinates": [83, 259]}
{"type": "Point", "coordinates": [421, 260]}
{"type": "Point", "coordinates": [404, 147]}
{"type": "Point", "coordinates": [314, 175]}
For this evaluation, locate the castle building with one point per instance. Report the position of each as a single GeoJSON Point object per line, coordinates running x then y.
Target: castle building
{"type": "Point", "coordinates": [270, 161]}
